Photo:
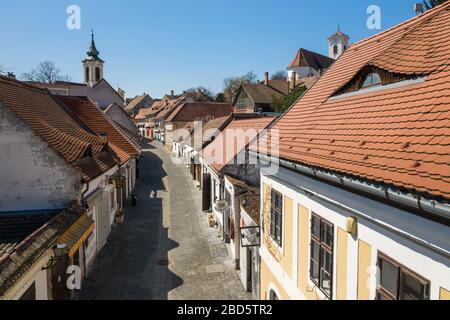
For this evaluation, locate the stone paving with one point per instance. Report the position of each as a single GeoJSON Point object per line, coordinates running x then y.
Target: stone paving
{"type": "Point", "coordinates": [165, 249]}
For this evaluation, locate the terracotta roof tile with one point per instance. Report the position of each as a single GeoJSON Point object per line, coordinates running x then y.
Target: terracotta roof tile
{"type": "Point", "coordinates": [234, 138]}
{"type": "Point", "coordinates": [98, 122]}
{"type": "Point", "coordinates": [399, 136]}
{"type": "Point", "coordinates": [49, 119]}
{"type": "Point", "coordinates": [209, 130]}
{"type": "Point", "coordinates": [192, 111]}
{"type": "Point", "coordinates": [306, 58]}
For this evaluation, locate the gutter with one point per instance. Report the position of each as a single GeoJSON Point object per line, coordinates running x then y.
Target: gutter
{"type": "Point", "coordinates": [440, 210]}
{"type": "Point", "coordinates": [377, 222]}
{"type": "Point", "coordinates": [408, 199]}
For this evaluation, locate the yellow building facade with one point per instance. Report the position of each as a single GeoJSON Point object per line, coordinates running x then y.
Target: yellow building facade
{"type": "Point", "coordinates": [358, 253]}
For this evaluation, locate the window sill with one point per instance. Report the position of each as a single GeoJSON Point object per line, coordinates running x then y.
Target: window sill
{"type": "Point", "coordinates": [314, 288]}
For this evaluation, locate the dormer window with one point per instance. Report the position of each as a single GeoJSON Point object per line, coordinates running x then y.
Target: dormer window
{"type": "Point", "coordinates": [372, 79]}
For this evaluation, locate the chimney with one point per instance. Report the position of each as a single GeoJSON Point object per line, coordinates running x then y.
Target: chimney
{"type": "Point", "coordinates": [266, 78]}
{"type": "Point", "coordinates": [11, 75]}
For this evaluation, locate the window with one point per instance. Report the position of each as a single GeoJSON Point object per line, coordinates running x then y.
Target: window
{"type": "Point", "coordinates": [97, 74]}
{"type": "Point", "coordinates": [373, 79]}
{"type": "Point", "coordinates": [87, 74]}
{"type": "Point", "coordinates": [321, 260]}
{"type": "Point", "coordinates": [112, 198]}
{"type": "Point", "coordinates": [335, 49]}
{"type": "Point", "coordinates": [276, 217]}
{"type": "Point", "coordinates": [398, 283]}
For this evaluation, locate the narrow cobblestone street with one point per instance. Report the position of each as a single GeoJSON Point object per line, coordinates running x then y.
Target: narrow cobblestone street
{"type": "Point", "coordinates": [164, 250]}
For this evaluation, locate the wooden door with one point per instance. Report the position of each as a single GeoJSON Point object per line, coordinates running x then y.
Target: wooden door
{"type": "Point", "coordinates": [206, 192]}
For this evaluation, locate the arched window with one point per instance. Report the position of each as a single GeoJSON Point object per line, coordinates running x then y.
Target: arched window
{"type": "Point", "coordinates": [97, 74]}
{"type": "Point", "coordinates": [335, 49]}
{"type": "Point", "coordinates": [372, 79]}
{"type": "Point", "coordinates": [87, 74]}
{"type": "Point", "coordinates": [273, 296]}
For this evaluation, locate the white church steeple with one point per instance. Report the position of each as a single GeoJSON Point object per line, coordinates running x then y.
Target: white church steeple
{"type": "Point", "coordinates": [337, 44]}
{"type": "Point", "coordinates": [93, 65]}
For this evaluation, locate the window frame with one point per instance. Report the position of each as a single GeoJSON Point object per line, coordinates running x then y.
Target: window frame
{"type": "Point", "coordinates": [323, 246]}
{"type": "Point", "coordinates": [276, 218]}
{"type": "Point", "coordinates": [371, 85]}
{"type": "Point", "coordinates": [401, 272]}
{"type": "Point", "coordinates": [335, 49]}
{"type": "Point", "coordinates": [97, 74]}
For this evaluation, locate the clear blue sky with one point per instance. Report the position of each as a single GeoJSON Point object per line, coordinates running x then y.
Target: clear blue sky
{"type": "Point", "coordinates": [154, 46]}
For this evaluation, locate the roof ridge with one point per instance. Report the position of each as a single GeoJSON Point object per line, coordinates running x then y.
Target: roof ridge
{"type": "Point", "coordinates": [427, 15]}
{"type": "Point", "coordinates": [23, 84]}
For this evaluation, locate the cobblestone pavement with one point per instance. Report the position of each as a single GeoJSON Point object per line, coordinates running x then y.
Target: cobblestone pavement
{"type": "Point", "coordinates": [164, 250]}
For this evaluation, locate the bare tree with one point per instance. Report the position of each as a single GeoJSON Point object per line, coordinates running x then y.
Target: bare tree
{"type": "Point", "coordinates": [45, 72]}
{"type": "Point", "coordinates": [200, 94]}
{"type": "Point", "coordinates": [232, 84]}
{"type": "Point", "coordinates": [280, 75]}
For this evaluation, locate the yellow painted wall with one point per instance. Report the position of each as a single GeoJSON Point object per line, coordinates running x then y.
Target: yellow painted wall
{"type": "Point", "coordinates": [288, 239]}
{"type": "Point", "coordinates": [445, 294]}
{"type": "Point", "coordinates": [303, 254]}
{"type": "Point", "coordinates": [267, 278]}
{"type": "Point", "coordinates": [284, 255]}
{"type": "Point", "coordinates": [364, 270]}
{"type": "Point", "coordinates": [341, 267]}
{"type": "Point", "coordinates": [268, 243]}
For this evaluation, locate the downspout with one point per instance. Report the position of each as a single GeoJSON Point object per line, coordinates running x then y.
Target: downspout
{"type": "Point", "coordinates": [83, 199]}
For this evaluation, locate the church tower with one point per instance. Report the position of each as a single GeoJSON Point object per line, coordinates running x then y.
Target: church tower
{"type": "Point", "coordinates": [93, 65]}
{"type": "Point", "coordinates": [337, 44]}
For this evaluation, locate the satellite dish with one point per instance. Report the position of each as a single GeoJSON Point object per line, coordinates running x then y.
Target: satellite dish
{"type": "Point", "coordinates": [221, 205]}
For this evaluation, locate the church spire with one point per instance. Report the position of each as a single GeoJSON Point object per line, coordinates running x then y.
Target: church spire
{"type": "Point", "coordinates": [93, 53]}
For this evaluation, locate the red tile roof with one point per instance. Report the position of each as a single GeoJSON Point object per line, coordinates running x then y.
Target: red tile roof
{"type": "Point", "coordinates": [209, 129]}
{"type": "Point", "coordinates": [306, 58]}
{"type": "Point", "coordinates": [192, 111]}
{"type": "Point", "coordinates": [49, 120]}
{"type": "Point", "coordinates": [98, 122]}
{"type": "Point", "coordinates": [398, 135]}
{"type": "Point", "coordinates": [143, 113]}
{"type": "Point", "coordinates": [234, 138]}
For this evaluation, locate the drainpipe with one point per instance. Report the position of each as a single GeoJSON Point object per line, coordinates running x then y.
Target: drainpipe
{"type": "Point", "coordinates": [83, 200]}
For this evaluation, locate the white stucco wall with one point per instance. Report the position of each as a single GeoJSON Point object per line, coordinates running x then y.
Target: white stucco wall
{"type": "Point", "coordinates": [114, 113]}
{"type": "Point", "coordinates": [32, 175]}
{"type": "Point", "coordinates": [302, 72]}
{"type": "Point", "coordinates": [104, 96]}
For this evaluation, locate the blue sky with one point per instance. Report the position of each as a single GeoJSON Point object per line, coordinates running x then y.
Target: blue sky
{"type": "Point", "coordinates": [155, 46]}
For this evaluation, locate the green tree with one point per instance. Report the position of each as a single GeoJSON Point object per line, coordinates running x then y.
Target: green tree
{"type": "Point", "coordinates": [283, 105]}
{"type": "Point", "coordinates": [430, 4]}
{"type": "Point", "coordinates": [221, 97]}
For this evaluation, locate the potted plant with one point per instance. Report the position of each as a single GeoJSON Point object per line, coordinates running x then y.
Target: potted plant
{"type": "Point", "coordinates": [120, 216]}
{"type": "Point", "coordinates": [211, 220]}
